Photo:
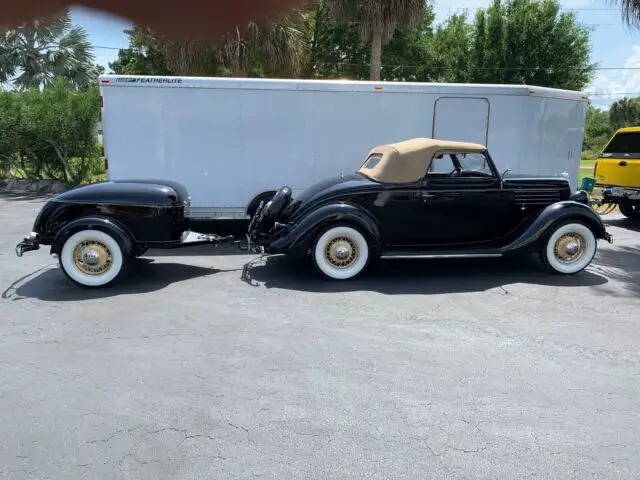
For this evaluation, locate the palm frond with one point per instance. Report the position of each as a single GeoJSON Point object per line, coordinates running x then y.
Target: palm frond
{"type": "Point", "coordinates": [379, 17]}
{"type": "Point", "coordinates": [34, 54]}
{"type": "Point", "coordinates": [630, 10]}
{"type": "Point", "coordinates": [274, 48]}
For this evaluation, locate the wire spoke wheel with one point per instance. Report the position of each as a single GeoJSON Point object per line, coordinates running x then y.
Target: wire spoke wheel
{"type": "Point", "coordinates": [92, 257]}
{"type": "Point", "coordinates": [341, 252]}
{"type": "Point", "coordinates": [570, 248]}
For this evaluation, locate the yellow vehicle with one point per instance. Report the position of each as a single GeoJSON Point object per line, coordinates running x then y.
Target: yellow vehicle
{"type": "Point", "coordinates": [617, 171]}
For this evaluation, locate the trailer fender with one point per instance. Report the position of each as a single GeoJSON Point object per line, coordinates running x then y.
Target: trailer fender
{"type": "Point", "coordinates": [107, 225]}
{"type": "Point", "coordinates": [297, 240]}
{"type": "Point", "coordinates": [528, 235]}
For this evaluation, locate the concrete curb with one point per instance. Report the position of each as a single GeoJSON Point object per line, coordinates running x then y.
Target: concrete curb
{"type": "Point", "coordinates": [38, 187]}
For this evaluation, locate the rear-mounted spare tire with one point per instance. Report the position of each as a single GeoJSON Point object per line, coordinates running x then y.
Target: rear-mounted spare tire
{"type": "Point", "coordinates": [274, 207]}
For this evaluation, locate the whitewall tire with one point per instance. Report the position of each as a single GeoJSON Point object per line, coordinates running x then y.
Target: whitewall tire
{"type": "Point", "coordinates": [92, 258]}
{"type": "Point", "coordinates": [341, 253]}
{"type": "Point", "coordinates": [569, 248]}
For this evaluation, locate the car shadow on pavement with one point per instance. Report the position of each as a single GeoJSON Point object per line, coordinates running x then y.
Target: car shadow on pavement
{"type": "Point", "coordinates": [50, 284]}
{"type": "Point", "coordinates": [621, 265]}
{"type": "Point", "coordinates": [626, 223]}
{"type": "Point", "coordinates": [416, 276]}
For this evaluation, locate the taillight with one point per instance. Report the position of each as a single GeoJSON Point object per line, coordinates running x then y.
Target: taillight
{"type": "Point", "coordinates": [101, 102]}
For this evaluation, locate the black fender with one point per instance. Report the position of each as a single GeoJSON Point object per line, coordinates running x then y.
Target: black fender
{"type": "Point", "coordinates": [298, 238]}
{"type": "Point", "coordinates": [255, 201]}
{"type": "Point", "coordinates": [528, 235]}
{"type": "Point", "coordinates": [105, 224]}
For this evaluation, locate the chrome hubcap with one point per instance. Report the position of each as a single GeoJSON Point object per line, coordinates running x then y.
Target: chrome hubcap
{"type": "Point", "coordinates": [341, 252]}
{"type": "Point", "coordinates": [570, 248]}
{"type": "Point", "coordinates": [92, 257]}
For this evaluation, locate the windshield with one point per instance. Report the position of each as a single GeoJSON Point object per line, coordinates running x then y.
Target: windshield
{"type": "Point", "coordinates": [624, 143]}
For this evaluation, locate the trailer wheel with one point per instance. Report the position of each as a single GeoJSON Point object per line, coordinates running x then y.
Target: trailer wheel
{"type": "Point", "coordinates": [629, 210]}
{"type": "Point", "coordinates": [92, 258]}
{"type": "Point", "coordinates": [341, 252]}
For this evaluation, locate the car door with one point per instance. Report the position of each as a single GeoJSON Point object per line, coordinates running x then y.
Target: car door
{"type": "Point", "coordinates": [461, 203]}
{"type": "Point", "coordinates": [399, 208]}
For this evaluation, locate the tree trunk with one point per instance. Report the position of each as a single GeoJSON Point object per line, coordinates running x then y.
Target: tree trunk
{"type": "Point", "coordinates": [313, 49]}
{"type": "Point", "coordinates": [376, 55]}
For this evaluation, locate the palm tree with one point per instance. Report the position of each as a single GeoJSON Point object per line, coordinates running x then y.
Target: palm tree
{"type": "Point", "coordinates": [269, 49]}
{"type": "Point", "coordinates": [630, 11]}
{"type": "Point", "coordinates": [625, 112]}
{"type": "Point", "coordinates": [378, 19]}
{"type": "Point", "coordinates": [36, 53]}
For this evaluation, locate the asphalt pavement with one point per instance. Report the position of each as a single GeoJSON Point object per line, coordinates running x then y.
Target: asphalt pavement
{"type": "Point", "coordinates": [220, 365]}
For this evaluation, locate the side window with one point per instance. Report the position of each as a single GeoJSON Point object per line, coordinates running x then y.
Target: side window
{"type": "Point", "coordinates": [474, 162]}
{"type": "Point", "coordinates": [441, 164]}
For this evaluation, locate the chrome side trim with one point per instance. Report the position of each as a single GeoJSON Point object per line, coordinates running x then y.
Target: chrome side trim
{"type": "Point", "coordinates": [444, 255]}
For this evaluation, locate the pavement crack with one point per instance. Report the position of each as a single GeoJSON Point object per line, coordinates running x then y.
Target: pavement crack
{"type": "Point", "coordinates": [238, 427]}
{"type": "Point", "coordinates": [464, 450]}
{"type": "Point", "coordinates": [160, 335]}
{"type": "Point", "coordinates": [114, 435]}
{"type": "Point", "coordinates": [427, 446]}
{"type": "Point", "coordinates": [168, 429]}
{"type": "Point", "coordinates": [244, 429]}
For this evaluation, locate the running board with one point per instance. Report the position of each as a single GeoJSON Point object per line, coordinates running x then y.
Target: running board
{"type": "Point", "coordinates": [401, 254]}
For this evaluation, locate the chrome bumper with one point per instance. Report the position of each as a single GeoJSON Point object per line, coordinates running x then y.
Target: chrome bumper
{"type": "Point", "coordinates": [28, 244]}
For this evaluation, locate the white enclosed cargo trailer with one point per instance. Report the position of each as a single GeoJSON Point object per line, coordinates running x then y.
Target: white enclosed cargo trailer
{"type": "Point", "coordinates": [227, 140]}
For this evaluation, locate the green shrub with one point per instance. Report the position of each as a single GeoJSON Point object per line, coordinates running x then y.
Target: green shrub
{"type": "Point", "coordinates": [51, 133]}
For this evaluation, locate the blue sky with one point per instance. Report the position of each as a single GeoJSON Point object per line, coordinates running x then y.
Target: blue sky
{"type": "Point", "coordinates": [615, 47]}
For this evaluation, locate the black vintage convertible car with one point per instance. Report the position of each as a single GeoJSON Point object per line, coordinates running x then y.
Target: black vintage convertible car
{"type": "Point", "coordinates": [421, 198]}
{"type": "Point", "coordinates": [426, 198]}
{"type": "Point", "coordinates": [97, 229]}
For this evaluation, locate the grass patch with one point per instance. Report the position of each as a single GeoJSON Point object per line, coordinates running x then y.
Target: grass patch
{"type": "Point", "coordinates": [586, 170]}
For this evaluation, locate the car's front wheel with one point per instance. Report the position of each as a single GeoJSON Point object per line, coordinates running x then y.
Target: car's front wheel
{"type": "Point", "coordinates": [92, 258]}
{"type": "Point", "coordinates": [569, 248]}
{"type": "Point", "coordinates": [341, 252]}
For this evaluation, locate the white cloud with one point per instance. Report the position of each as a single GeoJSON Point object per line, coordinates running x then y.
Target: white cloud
{"type": "Point", "coordinates": [612, 85]}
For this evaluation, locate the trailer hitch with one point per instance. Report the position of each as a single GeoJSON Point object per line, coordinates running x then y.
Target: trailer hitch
{"type": "Point", "coordinates": [249, 247]}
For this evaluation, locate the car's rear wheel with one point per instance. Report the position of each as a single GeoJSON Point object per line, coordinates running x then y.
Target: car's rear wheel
{"type": "Point", "coordinates": [569, 248]}
{"type": "Point", "coordinates": [92, 258]}
{"type": "Point", "coordinates": [341, 252]}
{"type": "Point", "coordinates": [629, 210]}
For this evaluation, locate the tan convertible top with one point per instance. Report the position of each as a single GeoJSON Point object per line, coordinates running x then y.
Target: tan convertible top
{"type": "Point", "coordinates": [408, 161]}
